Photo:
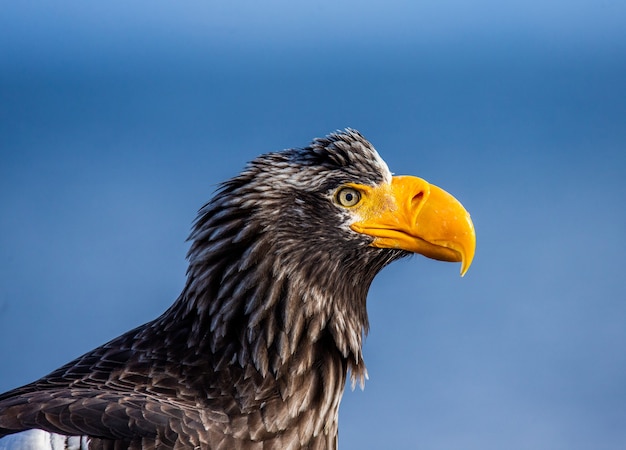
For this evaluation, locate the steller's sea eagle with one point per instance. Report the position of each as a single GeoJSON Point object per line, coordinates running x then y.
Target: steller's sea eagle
{"type": "Point", "coordinates": [255, 352]}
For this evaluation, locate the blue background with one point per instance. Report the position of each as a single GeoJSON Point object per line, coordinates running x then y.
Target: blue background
{"type": "Point", "coordinates": [118, 120]}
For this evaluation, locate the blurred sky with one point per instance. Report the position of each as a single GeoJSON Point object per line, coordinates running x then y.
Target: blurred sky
{"type": "Point", "coordinates": [118, 119]}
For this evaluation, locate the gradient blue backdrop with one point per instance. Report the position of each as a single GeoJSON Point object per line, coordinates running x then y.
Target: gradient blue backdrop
{"type": "Point", "coordinates": [118, 119]}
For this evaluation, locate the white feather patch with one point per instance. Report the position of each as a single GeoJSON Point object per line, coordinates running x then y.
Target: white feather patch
{"type": "Point", "coordinates": [42, 440]}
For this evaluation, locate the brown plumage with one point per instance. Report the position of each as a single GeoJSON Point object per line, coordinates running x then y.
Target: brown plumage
{"type": "Point", "coordinates": [256, 350]}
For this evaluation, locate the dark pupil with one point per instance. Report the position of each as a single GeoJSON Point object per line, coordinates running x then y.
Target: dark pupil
{"type": "Point", "coordinates": [349, 197]}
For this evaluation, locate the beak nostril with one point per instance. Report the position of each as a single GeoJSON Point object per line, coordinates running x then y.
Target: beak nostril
{"type": "Point", "coordinates": [417, 198]}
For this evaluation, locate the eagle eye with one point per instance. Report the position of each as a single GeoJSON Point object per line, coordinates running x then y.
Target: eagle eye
{"type": "Point", "coordinates": [348, 197]}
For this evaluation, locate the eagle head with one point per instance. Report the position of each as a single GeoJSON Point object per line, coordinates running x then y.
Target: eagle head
{"type": "Point", "coordinates": [305, 230]}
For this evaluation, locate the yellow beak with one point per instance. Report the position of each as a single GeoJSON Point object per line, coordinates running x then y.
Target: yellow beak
{"type": "Point", "coordinates": [416, 216]}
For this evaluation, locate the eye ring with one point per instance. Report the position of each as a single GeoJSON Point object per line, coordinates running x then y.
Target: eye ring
{"type": "Point", "coordinates": [348, 197]}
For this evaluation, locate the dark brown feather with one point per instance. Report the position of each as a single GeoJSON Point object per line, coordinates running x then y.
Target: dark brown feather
{"type": "Point", "coordinates": [255, 352]}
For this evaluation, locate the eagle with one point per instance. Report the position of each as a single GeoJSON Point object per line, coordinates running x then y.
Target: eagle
{"type": "Point", "coordinates": [256, 351]}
